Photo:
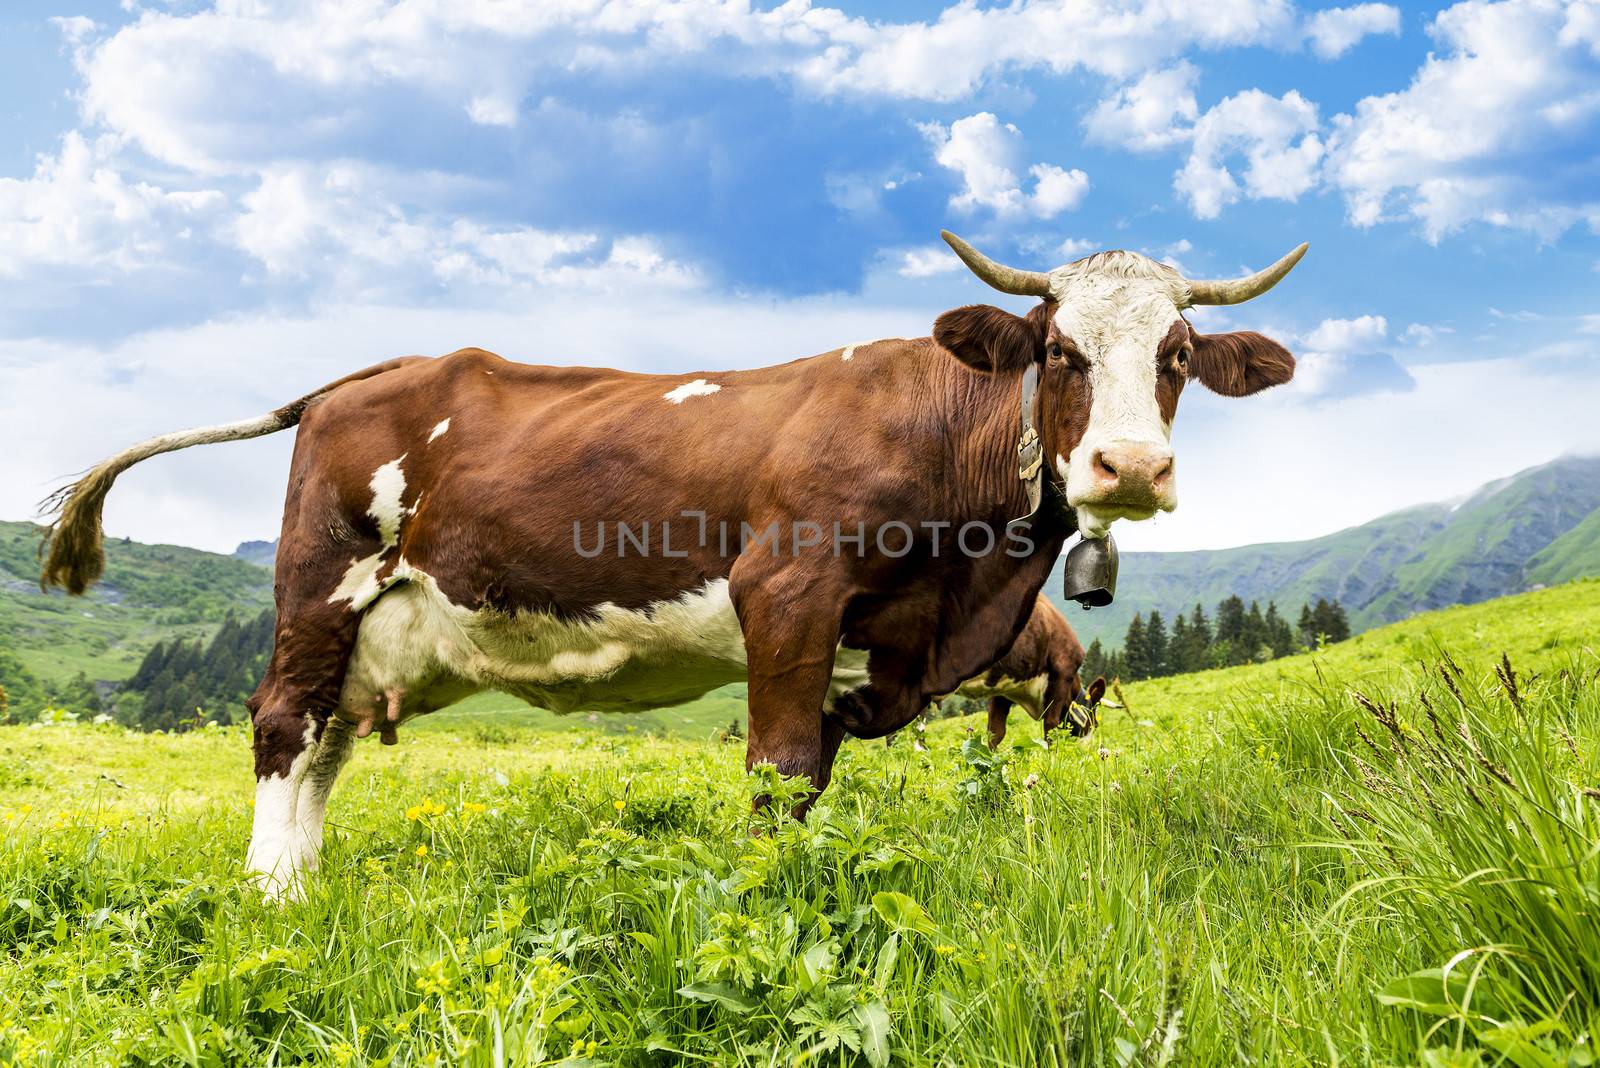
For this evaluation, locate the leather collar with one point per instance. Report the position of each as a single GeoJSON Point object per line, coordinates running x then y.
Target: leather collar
{"type": "Point", "coordinates": [1031, 464]}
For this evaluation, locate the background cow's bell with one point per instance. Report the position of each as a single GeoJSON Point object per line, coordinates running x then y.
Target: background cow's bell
{"type": "Point", "coordinates": [1090, 574]}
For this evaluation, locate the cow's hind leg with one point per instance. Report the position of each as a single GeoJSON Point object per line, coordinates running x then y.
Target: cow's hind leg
{"type": "Point", "coordinates": [300, 745]}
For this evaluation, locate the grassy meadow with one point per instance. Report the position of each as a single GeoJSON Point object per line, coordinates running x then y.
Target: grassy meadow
{"type": "Point", "coordinates": [1386, 852]}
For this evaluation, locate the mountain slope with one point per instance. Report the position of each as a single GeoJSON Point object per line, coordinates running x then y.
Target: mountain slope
{"type": "Point", "coordinates": [1536, 527]}
{"type": "Point", "coordinates": [1576, 553]}
{"type": "Point", "coordinates": [150, 593]}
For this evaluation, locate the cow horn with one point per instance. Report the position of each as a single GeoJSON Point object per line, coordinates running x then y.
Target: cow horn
{"type": "Point", "coordinates": [1005, 279]}
{"type": "Point", "coordinates": [1239, 290]}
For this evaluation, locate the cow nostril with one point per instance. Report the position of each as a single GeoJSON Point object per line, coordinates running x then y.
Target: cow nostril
{"type": "Point", "coordinates": [1104, 467]}
{"type": "Point", "coordinates": [1163, 472]}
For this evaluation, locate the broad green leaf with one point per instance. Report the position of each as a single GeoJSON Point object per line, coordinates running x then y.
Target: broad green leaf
{"type": "Point", "coordinates": [887, 957]}
{"type": "Point", "coordinates": [902, 912]}
{"type": "Point", "coordinates": [816, 965]}
{"type": "Point", "coordinates": [718, 994]}
{"type": "Point", "coordinates": [1429, 991]}
{"type": "Point", "coordinates": [872, 1020]}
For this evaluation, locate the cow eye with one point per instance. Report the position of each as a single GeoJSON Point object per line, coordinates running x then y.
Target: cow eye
{"type": "Point", "coordinates": [1053, 350]}
{"type": "Point", "coordinates": [1181, 360]}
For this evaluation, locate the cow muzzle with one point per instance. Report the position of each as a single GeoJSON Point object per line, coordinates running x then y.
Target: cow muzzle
{"type": "Point", "coordinates": [1132, 478]}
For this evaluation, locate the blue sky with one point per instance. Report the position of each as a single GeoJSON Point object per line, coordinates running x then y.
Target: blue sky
{"type": "Point", "coordinates": [206, 209]}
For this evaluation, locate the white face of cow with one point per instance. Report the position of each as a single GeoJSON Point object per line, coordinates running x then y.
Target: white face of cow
{"type": "Point", "coordinates": [1115, 357]}
{"type": "Point", "coordinates": [1116, 310]}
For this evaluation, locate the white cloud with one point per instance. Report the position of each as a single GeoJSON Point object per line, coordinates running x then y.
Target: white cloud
{"type": "Point", "coordinates": [1348, 335]}
{"type": "Point", "coordinates": [77, 29]}
{"type": "Point", "coordinates": [987, 154]}
{"type": "Point", "coordinates": [208, 90]}
{"type": "Point", "coordinates": [79, 210]}
{"type": "Point", "coordinates": [1498, 126]}
{"type": "Point", "coordinates": [1342, 358]}
{"type": "Point", "coordinates": [1153, 113]}
{"type": "Point", "coordinates": [1264, 130]}
{"type": "Point", "coordinates": [1333, 32]}
{"type": "Point", "coordinates": [342, 225]}
{"type": "Point", "coordinates": [927, 261]}
{"type": "Point", "coordinates": [491, 110]}
{"type": "Point", "coordinates": [967, 45]}
{"type": "Point", "coordinates": [1424, 334]}
{"type": "Point", "coordinates": [1075, 248]}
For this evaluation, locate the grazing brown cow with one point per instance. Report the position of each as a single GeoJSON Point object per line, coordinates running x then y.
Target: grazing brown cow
{"type": "Point", "coordinates": [842, 531]}
{"type": "Point", "coordinates": [1040, 673]}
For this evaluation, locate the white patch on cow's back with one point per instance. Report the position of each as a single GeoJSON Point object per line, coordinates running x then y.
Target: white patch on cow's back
{"type": "Point", "coordinates": [439, 429]}
{"type": "Point", "coordinates": [388, 486]}
{"type": "Point", "coordinates": [698, 388]}
{"type": "Point", "coordinates": [850, 352]}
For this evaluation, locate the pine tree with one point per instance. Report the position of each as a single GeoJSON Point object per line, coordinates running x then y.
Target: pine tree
{"type": "Point", "coordinates": [149, 667]}
{"type": "Point", "coordinates": [1198, 656]}
{"type": "Point", "coordinates": [1178, 646]}
{"type": "Point", "coordinates": [1306, 629]}
{"type": "Point", "coordinates": [1279, 635]}
{"type": "Point", "coordinates": [1155, 645]}
{"type": "Point", "coordinates": [1322, 622]}
{"type": "Point", "coordinates": [1230, 621]}
{"type": "Point", "coordinates": [1338, 623]}
{"type": "Point", "coordinates": [1253, 636]}
{"type": "Point", "coordinates": [1094, 661]}
{"type": "Point", "coordinates": [1135, 652]}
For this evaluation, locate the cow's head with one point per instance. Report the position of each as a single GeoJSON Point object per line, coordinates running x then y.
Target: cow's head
{"type": "Point", "coordinates": [1114, 352]}
{"type": "Point", "coordinates": [1081, 711]}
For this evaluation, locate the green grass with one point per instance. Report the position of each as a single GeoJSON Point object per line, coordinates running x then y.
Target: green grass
{"type": "Point", "coordinates": [1266, 865]}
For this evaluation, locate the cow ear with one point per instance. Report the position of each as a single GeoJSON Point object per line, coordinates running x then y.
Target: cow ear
{"type": "Point", "coordinates": [991, 339]}
{"type": "Point", "coordinates": [1240, 363]}
{"type": "Point", "coordinates": [1097, 690]}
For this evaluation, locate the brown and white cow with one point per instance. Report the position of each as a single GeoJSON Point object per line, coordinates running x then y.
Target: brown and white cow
{"type": "Point", "coordinates": [1039, 673]}
{"type": "Point", "coordinates": [440, 528]}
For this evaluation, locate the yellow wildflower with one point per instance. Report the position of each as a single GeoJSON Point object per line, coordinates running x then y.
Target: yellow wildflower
{"type": "Point", "coordinates": [422, 850]}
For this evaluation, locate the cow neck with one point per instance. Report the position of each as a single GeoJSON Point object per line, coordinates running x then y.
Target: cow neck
{"type": "Point", "coordinates": [980, 414]}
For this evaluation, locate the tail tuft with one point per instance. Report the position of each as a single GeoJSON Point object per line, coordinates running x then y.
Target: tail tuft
{"type": "Point", "coordinates": [76, 554]}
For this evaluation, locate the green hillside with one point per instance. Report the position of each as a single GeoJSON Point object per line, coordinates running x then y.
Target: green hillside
{"type": "Point", "coordinates": [1575, 553]}
{"type": "Point", "coordinates": [150, 593]}
{"type": "Point", "coordinates": [1538, 527]}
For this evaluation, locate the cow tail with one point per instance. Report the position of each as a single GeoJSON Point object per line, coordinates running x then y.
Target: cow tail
{"type": "Point", "coordinates": [75, 540]}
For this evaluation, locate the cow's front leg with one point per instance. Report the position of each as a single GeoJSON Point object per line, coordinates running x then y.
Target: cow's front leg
{"type": "Point", "coordinates": [791, 632]}
{"type": "Point", "coordinates": [999, 711]}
